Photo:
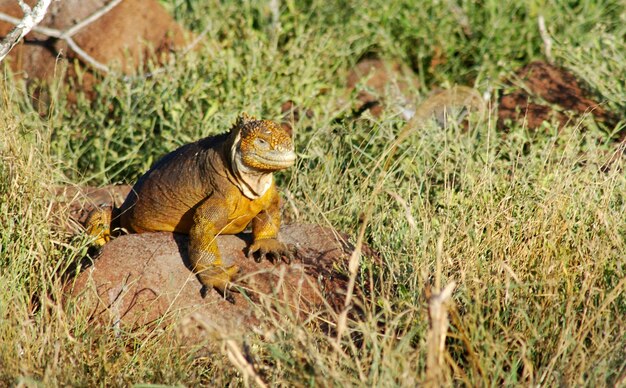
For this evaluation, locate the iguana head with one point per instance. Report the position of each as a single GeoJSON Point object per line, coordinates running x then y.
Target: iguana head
{"type": "Point", "coordinates": [264, 146]}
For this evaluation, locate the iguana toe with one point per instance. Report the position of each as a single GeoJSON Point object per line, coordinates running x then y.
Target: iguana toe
{"type": "Point", "coordinates": [271, 249]}
{"type": "Point", "coordinates": [218, 277]}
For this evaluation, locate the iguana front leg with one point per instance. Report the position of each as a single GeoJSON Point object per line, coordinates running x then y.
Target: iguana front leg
{"type": "Point", "coordinates": [265, 227]}
{"type": "Point", "coordinates": [206, 261]}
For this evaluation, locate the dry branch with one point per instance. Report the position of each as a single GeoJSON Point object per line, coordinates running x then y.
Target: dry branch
{"type": "Point", "coordinates": [90, 19]}
{"type": "Point", "coordinates": [236, 356]}
{"type": "Point", "coordinates": [545, 36]}
{"type": "Point", "coordinates": [67, 34]}
{"type": "Point", "coordinates": [436, 338]}
{"type": "Point", "coordinates": [31, 18]}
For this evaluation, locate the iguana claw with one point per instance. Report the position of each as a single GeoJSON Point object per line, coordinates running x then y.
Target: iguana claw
{"type": "Point", "coordinates": [218, 277]}
{"type": "Point", "coordinates": [271, 249]}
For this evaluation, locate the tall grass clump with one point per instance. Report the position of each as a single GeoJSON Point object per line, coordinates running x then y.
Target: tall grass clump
{"type": "Point", "coordinates": [528, 224]}
{"type": "Point", "coordinates": [29, 249]}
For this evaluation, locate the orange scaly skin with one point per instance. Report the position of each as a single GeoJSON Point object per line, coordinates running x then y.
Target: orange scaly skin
{"type": "Point", "coordinates": [217, 185]}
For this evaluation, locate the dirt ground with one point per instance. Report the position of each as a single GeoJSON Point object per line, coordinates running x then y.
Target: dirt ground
{"type": "Point", "coordinates": [542, 92]}
{"type": "Point", "coordinates": [536, 93]}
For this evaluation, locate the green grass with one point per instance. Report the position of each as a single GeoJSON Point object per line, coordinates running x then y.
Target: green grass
{"type": "Point", "coordinates": [525, 222]}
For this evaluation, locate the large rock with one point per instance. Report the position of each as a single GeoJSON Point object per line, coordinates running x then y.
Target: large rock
{"type": "Point", "coordinates": [129, 33]}
{"type": "Point", "coordinates": [140, 279]}
{"type": "Point", "coordinates": [382, 85]}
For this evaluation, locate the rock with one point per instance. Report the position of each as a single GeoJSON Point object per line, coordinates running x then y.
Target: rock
{"type": "Point", "coordinates": [546, 92]}
{"type": "Point", "coordinates": [139, 279]}
{"type": "Point", "coordinates": [382, 85]}
{"type": "Point", "coordinates": [130, 32]}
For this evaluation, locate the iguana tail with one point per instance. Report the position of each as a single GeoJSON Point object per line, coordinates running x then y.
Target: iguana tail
{"type": "Point", "coordinates": [98, 224]}
{"type": "Point", "coordinates": [457, 101]}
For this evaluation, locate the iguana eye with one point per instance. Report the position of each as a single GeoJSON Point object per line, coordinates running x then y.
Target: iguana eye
{"type": "Point", "coordinates": [261, 143]}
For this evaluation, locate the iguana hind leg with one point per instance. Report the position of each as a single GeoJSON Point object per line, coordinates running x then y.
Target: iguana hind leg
{"type": "Point", "coordinates": [210, 271]}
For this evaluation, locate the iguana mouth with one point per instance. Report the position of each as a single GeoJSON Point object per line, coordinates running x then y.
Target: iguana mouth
{"type": "Point", "coordinates": [281, 159]}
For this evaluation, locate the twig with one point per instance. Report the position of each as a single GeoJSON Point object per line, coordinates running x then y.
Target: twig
{"type": "Point", "coordinates": [42, 30]}
{"type": "Point", "coordinates": [90, 19]}
{"type": "Point", "coordinates": [545, 36]}
{"type": "Point", "coordinates": [275, 9]}
{"type": "Point", "coordinates": [67, 35]}
{"type": "Point", "coordinates": [86, 57]}
{"type": "Point", "coordinates": [436, 337]}
{"type": "Point", "coordinates": [197, 39]}
{"type": "Point", "coordinates": [406, 207]}
{"type": "Point", "coordinates": [31, 18]}
{"type": "Point", "coordinates": [25, 7]}
{"type": "Point", "coordinates": [239, 361]}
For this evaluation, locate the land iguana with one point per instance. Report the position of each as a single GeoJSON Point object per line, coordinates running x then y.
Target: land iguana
{"type": "Point", "coordinates": [456, 101]}
{"type": "Point", "coordinates": [217, 185]}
